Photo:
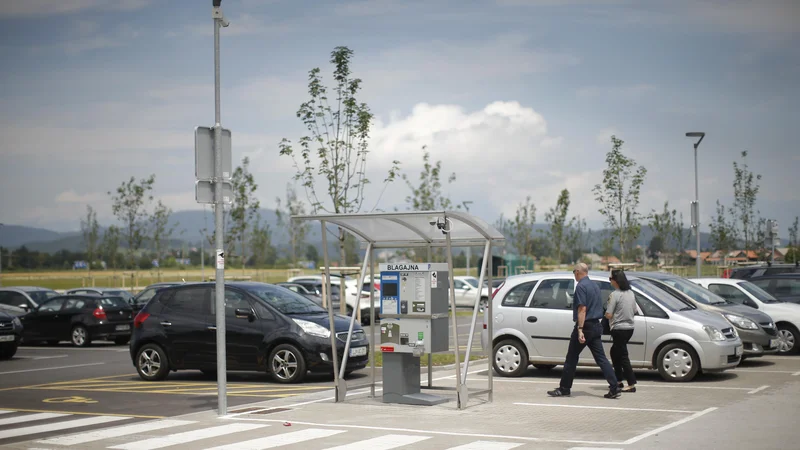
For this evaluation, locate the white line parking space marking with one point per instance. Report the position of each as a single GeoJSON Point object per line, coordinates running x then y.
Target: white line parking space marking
{"type": "Point", "coordinates": [189, 436]}
{"type": "Point", "coordinates": [280, 440]}
{"type": "Point", "coordinates": [613, 408]}
{"type": "Point", "coordinates": [593, 448]}
{"type": "Point", "coordinates": [125, 430]}
{"type": "Point", "coordinates": [638, 385]}
{"type": "Point", "coordinates": [762, 371]}
{"type": "Point", "coordinates": [796, 374]}
{"type": "Point", "coordinates": [16, 432]}
{"type": "Point", "coordinates": [52, 368]}
{"type": "Point", "coordinates": [75, 349]}
{"type": "Point", "coordinates": [387, 442]}
{"type": "Point", "coordinates": [758, 389]}
{"type": "Point", "coordinates": [638, 438]}
{"type": "Point", "coordinates": [3, 411]}
{"type": "Point", "coordinates": [30, 418]}
{"type": "Point", "coordinates": [487, 445]}
{"type": "Point", "coordinates": [36, 358]}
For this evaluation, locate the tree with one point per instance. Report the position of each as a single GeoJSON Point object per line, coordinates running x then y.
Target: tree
{"type": "Point", "coordinates": [520, 231]}
{"type": "Point", "coordinates": [682, 236]}
{"type": "Point", "coordinates": [793, 255]}
{"type": "Point", "coordinates": [336, 147]}
{"type": "Point", "coordinates": [745, 191]}
{"type": "Point", "coordinates": [297, 230]}
{"type": "Point", "coordinates": [577, 237]}
{"type": "Point", "coordinates": [130, 205]}
{"type": "Point", "coordinates": [244, 209]}
{"type": "Point", "coordinates": [663, 225]}
{"type": "Point", "coordinates": [161, 231]}
{"type": "Point", "coordinates": [556, 217]}
{"type": "Point", "coordinates": [91, 235]}
{"type": "Point", "coordinates": [312, 254]}
{"type": "Point", "coordinates": [656, 246]}
{"type": "Point", "coordinates": [428, 196]}
{"type": "Point", "coordinates": [261, 242]}
{"type": "Point", "coordinates": [618, 195]}
{"type": "Point", "coordinates": [723, 231]}
{"type": "Point", "coordinates": [110, 246]}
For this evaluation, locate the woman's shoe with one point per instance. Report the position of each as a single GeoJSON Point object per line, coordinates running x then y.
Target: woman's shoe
{"type": "Point", "coordinates": [630, 389]}
{"type": "Point", "coordinates": [621, 385]}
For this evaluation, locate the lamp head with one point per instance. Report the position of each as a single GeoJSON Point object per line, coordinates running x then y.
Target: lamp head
{"type": "Point", "coordinates": [695, 134]}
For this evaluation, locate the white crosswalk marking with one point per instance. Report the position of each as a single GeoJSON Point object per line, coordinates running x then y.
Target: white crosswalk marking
{"type": "Point", "coordinates": [124, 430]}
{"type": "Point", "coordinates": [280, 440]}
{"type": "Point", "coordinates": [30, 418]}
{"type": "Point", "coordinates": [486, 445]}
{"type": "Point", "coordinates": [3, 411]}
{"type": "Point", "coordinates": [386, 442]}
{"type": "Point", "coordinates": [189, 436]}
{"type": "Point", "coordinates": [58, 426]}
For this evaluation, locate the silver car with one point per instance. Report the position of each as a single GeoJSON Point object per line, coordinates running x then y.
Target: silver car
{"type": "Point", "coordinates": [533, 323]}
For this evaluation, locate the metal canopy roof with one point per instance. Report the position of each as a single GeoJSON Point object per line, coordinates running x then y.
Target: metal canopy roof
{"type": "Point", "coordinates": [413, 229]}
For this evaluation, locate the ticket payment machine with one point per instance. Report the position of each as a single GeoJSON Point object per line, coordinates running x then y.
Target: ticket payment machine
{"type": "Point", "coordinates": [414, 321]}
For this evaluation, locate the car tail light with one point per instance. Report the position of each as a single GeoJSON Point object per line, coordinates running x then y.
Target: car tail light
{"type": "Point", "coordinates": [496, 290]}
{"type": "Point", "coordinates": [139, 319]}
{"type": "Point", "coordinates": [99, 314]}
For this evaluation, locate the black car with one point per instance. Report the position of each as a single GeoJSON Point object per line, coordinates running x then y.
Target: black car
{"type": "Point", "coordinates": [784, 286]}
{"type": "Point", "coordinates": [79, 319]}
{"type": "Point", "coordinates": [268, 328]}
{"type": "Point", "coordinates": [748, 272]}
{"type": "Point", "coordinates": [10, 335]}
{"type": "Point", "coordinates": [141, 299]}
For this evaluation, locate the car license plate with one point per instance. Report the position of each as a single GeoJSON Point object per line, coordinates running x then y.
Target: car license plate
{"type": "Point", "coordinates": [358, 351]}
{"type": "Point", "coordinates": [739, 351]}
{"type": "Point", "coordinates": [123, 327]}
{"type": "Point", "coordinates": [10, 337]}
{"type": "Point", "coordinates": [773, 343]}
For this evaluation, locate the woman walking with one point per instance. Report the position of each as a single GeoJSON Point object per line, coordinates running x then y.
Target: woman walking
{"type": "Point", "coordinates": [620, 312]}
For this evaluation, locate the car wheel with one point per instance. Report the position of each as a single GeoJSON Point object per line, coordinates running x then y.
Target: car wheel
{"type": "Point", "coordinates": [286, 364]}
{"type": "Point", "coordinates": [8, 351]}
{"type": "Point", "coordinates": [510, 358]}
{"type": "Point", "coordinates": [678, 362]}
{"type": "Point", "coordinates": [787, 339]}
{"type": "Point", "coordinates": [80, 336]}
{"type": "Point", "coordinates": [122, 340]}
{"type": "Point", "coordinates": [152, 363]}
{"type": "Point", "coordinates": [545, 367]}
{"type": "Point", "coordinates": [482, 306]}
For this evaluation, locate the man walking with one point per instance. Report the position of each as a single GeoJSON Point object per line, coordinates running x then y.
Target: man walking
{"type": "Point", "coordinates": [587, 311]}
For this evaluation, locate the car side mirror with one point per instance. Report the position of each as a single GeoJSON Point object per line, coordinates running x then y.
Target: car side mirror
{"type": "Point", "coordinates": [25, 307]}
{"type": "Point", "coordinates": [750, 303]}
{"type": "Point", "coordinates": [245, 313]}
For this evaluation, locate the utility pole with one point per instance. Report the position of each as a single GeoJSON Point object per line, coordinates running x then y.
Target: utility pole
{"type": "Point", "coordinates": [469, 249]}
{"type": "Point", "coordinates": [696, 203]}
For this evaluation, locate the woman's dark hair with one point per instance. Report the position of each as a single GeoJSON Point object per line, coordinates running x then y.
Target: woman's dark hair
{"type": "Point", "coordinates": [619, 276]}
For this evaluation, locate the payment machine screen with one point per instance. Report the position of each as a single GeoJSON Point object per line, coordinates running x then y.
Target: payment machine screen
{"type": "Point", "coordinates": [390, 290]}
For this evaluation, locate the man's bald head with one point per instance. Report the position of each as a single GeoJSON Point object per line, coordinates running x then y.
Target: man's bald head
{"type": "Point", "coordinates": [581, 270]}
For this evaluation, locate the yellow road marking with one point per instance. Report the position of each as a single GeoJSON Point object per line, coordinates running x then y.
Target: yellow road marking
{"type": "Point", "coordinates": [73, 399]}
{"type": "Point", "coordinates": [83, 413]}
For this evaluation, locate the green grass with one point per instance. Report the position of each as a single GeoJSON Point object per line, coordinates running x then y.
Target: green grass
{"type": "Point", "coordinates": [439, 359]}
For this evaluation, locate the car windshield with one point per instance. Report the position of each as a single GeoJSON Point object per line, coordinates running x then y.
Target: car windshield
{"type": "Point", "coordinates": [112, 302]}
{"type": "Point", "coordinates": [758, 293]}
{"type": "Point", "coordinates": [42, 296]}
{"type": "Point", "coordinates": [664, 299]}
{"type": "Point", "coordinates": [696, 292]}
{"type": "Point", "coordinates": [286, 301]}
{"type": "Point", "coordinates": [472, 282]}
{"type": "Point", "coordinates": [124, 294]}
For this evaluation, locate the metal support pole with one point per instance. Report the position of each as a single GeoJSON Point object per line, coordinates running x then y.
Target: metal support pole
{"type": "Point", "coordinates": [1, 261]}
{"type": "Point", "coordinates": [334, 352]}
{"type": "Point", "coordinates": [371, 324]}
{"type": "Point", "coordinates": [361, 277]}
{"type": "Point", "coordinates": [490, 317]}
{"type": "Point", "coordinates": [461, 393]}
{"type": "Point", "coordinates": [202, 260]}
{"type": "Point", "coordinates": [475, 312]}
{"type": "Point", "coordinates": [430, 355]}
{"type": "Point", "coordinates": [697, 201]}
{"type": "Point", "coordinates": [222, 399]}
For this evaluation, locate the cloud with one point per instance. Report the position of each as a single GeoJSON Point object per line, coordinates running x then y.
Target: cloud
{"type": "Point", "coordinates": [72, 197]}
{"type": "Point", "coordinates": [240, 25]}
{"type": "Point", "coordinates": [604, 136]}
{"type": "Point", "coordinates": [41, 8]}
{"type": "Point", "coordinates": [635, 91]}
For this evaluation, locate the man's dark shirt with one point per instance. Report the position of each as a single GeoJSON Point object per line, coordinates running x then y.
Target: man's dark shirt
{"type": "Point", "coordinates": [587, 293]}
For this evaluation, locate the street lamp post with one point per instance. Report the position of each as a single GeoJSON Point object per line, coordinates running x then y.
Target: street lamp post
{"type": "Point", "coordinates": [696, 204]}
{"type": "Point", "coordinates": [469, 249]}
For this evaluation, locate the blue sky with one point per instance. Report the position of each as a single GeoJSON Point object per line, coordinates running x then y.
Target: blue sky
{"type": "Point", "coordinates": [518, 97]}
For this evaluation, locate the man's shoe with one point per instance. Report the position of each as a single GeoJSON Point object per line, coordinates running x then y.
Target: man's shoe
{"type": "Point", "coordinates": [613, 394]}
{"type": "Point", "coordinates": [558, 392]}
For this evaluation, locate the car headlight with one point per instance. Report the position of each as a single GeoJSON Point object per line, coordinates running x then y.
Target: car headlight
{"type": "Point", "coordinates": [313, 329]}
{"type": "Point", "coordinates": [713, 333]}
{"type": "Point", "coordinates": [17, 323]}
{"type": "Point", "coordinates": [741, 322]}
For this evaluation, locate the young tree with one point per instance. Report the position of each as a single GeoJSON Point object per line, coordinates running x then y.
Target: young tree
{"type": "Point", "coordinates": [336, 147]}
{"type": "Point", "coordinates": [723, 232]}
{"type": "Point", "coordinates": [682, 236]}
{"type": "Point", "coordinates": [663, 225]}
{"type": "Point", "coordinates": [91, 235]}
{"type": "Point", "coordinates": [261, 242]}
{"type": "Point", "coordinates": [793, 255]}
{"type": "Point", "coordinates": [556, 218]}
{"type": "Point", "coordinates": [745, 191]}
{"type": "Point", "coordinates": [618, 195]}
{"type": "Point", "coordinates": [428, 196]}
{"type": "Point", "coordinates": [110, 246]}
{"type": "Point", "coordinates": [297, 230]}
{"type": "Point", "coordinates": [577, 238]}
{"type": "Point", "coordinates": [161, 232]}
{"type": "Point", "coordinates": [130, 206]}
{"type": "Point", "coordinates": [519, 232]}
{"type": "Point", "coordinates": [244, 209]}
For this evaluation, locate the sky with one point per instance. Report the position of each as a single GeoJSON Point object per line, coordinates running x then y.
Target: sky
{"type": "Point", "coordinates": [516, 97]}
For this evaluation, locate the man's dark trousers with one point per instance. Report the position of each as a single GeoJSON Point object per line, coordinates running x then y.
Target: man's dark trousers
{"type": "Point", "coordinates": [593, 332]}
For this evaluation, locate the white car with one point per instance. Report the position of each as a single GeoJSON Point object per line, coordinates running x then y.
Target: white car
{"type": "Point", "coordinates": [352, 292]}
{"type": "Point", "coordinates": [466, 292]}
{"type": "Point", "coordinates": [785, 315]}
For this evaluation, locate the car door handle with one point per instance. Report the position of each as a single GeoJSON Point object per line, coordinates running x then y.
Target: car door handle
{"type": "Point", "coordinates": [166, 324]}
{"type": "Point", "coordinates": [212, 328]}
{"type": "Point", "coordinates": [532, 319]}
